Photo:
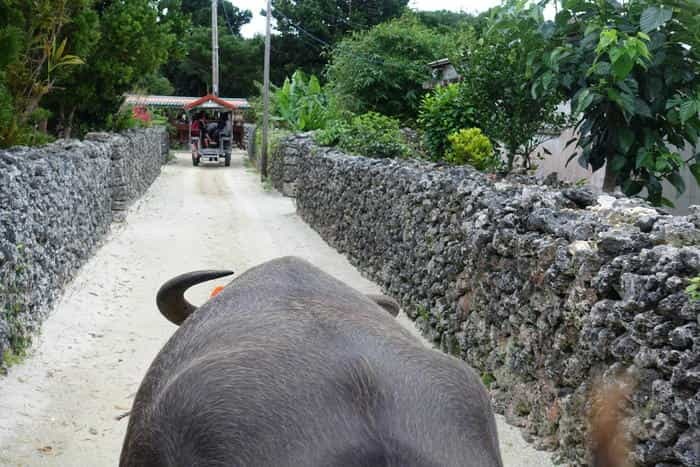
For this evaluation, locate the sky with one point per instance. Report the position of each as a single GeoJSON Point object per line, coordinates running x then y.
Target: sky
{"type": "Point", "coordinates": [257, 24]}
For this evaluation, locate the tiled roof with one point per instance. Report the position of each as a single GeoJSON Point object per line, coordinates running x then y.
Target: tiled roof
{"type": "Point", "coordinates": [178, 101]}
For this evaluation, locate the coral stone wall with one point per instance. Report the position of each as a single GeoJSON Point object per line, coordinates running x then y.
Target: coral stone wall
{"type": "Point", "coordinates": [542, 289]}
{"type": "Point", "coordinates": [283, 168]}
{"type": "Point", "coordinates": [249, 134]}
{"type": "Point", "coordinates": [56, 204]}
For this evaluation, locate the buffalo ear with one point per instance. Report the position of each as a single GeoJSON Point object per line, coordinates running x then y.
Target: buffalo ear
{"type": "Point", "coordinates": [388, 303]}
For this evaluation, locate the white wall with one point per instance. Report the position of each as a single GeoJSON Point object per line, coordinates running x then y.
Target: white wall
{"type": "Point", "coordinates": [574, 172]}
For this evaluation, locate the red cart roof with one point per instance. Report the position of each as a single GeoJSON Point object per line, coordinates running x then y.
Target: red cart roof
{"type": "Point", "coordinates": [178, 101]}
{"type": "Point", "coordinates": [210, 100]}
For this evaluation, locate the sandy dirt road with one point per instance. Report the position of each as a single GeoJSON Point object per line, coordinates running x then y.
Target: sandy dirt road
{"type": "Point", "coordinates": [59, 407]}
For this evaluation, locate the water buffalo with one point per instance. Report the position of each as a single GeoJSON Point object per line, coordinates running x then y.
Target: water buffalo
{"type": "Point", "coordinates": [288, 367]}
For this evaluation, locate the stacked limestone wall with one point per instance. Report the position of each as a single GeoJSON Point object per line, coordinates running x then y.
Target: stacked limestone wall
{"type": "Point", "coordinates": [542, 289]}
{"type": "Point", "coordinates": [56, 205]}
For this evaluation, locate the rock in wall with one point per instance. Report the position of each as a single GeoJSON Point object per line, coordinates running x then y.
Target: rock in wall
{"type": "Point", "coordinates": [132, 173]}
{"type": "Point", "coordinates": [249, 135]}
{"type": "Point", "coordinates": [283, 169]}
{"type": "Point", "coordinates": [544, 290]}
{"type": "Point", "coordinates": [56, 205]}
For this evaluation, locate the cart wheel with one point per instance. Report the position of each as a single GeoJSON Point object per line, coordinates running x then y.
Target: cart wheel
{"type": "Point", "coordinates": [227, 160]}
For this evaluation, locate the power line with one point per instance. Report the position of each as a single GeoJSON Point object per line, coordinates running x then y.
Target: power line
{"type": "Point", "coordinates": [228, 19]}
{"type": "Point", "coordinates": [366, 58]}
{"type": "Point", "coordinates": [299, 28]}
{"type": "Point", "coordinates": [333, 19]}
{"type": "Point", "coordinates": [315, 41]}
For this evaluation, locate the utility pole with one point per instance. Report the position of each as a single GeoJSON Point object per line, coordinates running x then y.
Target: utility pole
{"type": "Point", "coordinates": [266, 96]}
{"type": "Point", "coordinates": [215, 47]}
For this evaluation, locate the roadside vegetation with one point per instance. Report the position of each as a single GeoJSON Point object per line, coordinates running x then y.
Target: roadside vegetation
{"type": "Point", "coordinates": [630, 71]}
{"type": "Point", "coordinates": [66, 64]}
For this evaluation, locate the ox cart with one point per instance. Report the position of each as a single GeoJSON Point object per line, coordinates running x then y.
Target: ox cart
{"type": "Point", "coordinates": [210, 142]}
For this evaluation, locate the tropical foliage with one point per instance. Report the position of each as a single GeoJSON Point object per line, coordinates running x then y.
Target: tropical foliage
{"type": "Point", "coordinates": [75, 59]}
{"type": "Point", "coordinates": [370, 134]}
{"type": "Point", "coordinates": [301, 104]}
{"type": "Point", "coordinates": [498, 71]}
{"type": "Point", "coordinates": [35, 56]}
{"type": "Point", "coordinates": [631, 70]}
{"type": "Point", "coordinates": [693, 290]}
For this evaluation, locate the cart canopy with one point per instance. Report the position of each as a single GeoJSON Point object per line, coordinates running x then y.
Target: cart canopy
{"type": "Point", "coordinates": [211, 102]}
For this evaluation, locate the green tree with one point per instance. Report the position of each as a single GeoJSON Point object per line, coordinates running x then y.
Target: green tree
{"type": "Point", "coordinates": [384, 69]}
{"type": "Point", "coordinates": [296, 52]}
{"type": "Point", "coordinates": [240, 65]}
{"type": "Point", "coordinates": [39, 48]}
{"type": "Point", "coordinates": [240, 59]}
{"type": "Point", "coordinates": [446, 21]}
{"type": "Point", "coordinates": [230, 17]}
{"type": "Point", "coordinates": [40, 43]}
{"type": "Point", "coordinates": [498, 71]}
{"type": "Point", "coordinates": [155, 84]}
{"type": "Point", "coordinates": [632, 70]}
{"type": "Point", "coordinates": [132, 44]}
{"type": "Point", "coordinates": [309, 28]}
{"type": "Point", "coordinates": [173, 16]}
{"type": "Point", "coordinates": [330, 20]}
{"type": "Point", "coordinates": [10, 44]}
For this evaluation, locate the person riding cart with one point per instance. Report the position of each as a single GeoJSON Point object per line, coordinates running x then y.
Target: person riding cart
{"type": "Point", "coordinates": [210, 142]}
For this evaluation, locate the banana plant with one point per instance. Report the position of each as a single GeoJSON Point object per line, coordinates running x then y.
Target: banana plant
{"type": "Point", "coordinates": [301, 104]}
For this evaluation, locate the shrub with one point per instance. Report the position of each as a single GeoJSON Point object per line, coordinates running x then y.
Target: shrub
{"type": "Point", "coordinates": [693, 289]}
{"type": "Point", "coordinates": [39, 116]}
{"type": "Point", "coordinates": [370, 134]}
{"type": "Point", "coordinates": [28, 136]}
{"type": "Point", "coordinates": [160, 118]}
{"type": "Point", "coordinates": [123, 120]}
{"type": "Point", "coordinates": [473, 148]}
{"type": "Point", "coordinates": [8, 124]}
{"type": "Point", "coordinates": [442, 113]}
{"type": "Point", "coordinates": [12, 133]}
{"type": "Point", "coordinates": [330, 136]}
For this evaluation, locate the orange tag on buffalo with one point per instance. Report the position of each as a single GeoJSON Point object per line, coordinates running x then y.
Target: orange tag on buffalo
{"type": "Point", "coordinates": [216, 291]}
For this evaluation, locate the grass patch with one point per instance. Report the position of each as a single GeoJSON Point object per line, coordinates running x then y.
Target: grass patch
{"type": "Point", "coordinates": [693, 289]}
{"type": "Point", "coordinates": [523, 408]}
{"type": "Point", "coordinates": [423, 312]}
{"type": "Point", "coordinates": [267, 184]}
{"type": "Point", "coordinates": [249, 165]}
{"type": "Point", "coordinates": [12, 358]}
{"type": "Point", "coordinates": [13, 306]}
{"type": "Point", "coordinates": [488, 379]}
